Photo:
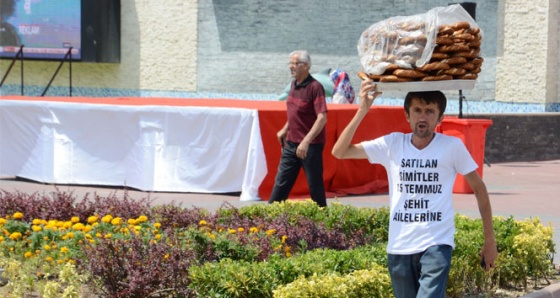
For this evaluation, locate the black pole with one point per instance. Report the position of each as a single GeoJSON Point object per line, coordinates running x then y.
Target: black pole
{"type": "Point", "coordinates": [21, 61]}
{"type": "Point", "coordinates": [70, 70]}
{"type": "Point", "coordinates": [12, 65]}
{"type": "Point", "coordinates": [460, 103]}
{"type": "Point", "coordinates": [69, 53]}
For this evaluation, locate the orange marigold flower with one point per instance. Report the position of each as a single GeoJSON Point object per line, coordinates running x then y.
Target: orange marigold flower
{"type": "Point", "coordinates": [18, 215]}
{"type": "Point", "coordinates": [75, 219]}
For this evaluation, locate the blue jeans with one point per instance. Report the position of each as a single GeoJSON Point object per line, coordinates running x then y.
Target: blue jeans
{"type": "Point", "coordinates": [421, 275]}
{"type": "Point", "coordinates": [289, 168]}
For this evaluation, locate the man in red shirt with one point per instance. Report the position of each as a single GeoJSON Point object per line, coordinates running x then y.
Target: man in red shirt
{"type": "Point", "coordinates": [303, 136]}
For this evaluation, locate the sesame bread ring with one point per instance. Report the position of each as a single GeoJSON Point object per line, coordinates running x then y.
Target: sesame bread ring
{"type": "Point", "coordinates": [438, 78]}
{"type": "Point", "coordinates": [362, 75]}
{"type": "Point", "coordinates": [461, 25]}
{"type": "Point", "coordinates": [468, 54]}
{"type": "Point", "coordinates": [455, 60]}
{"type": "Point", "coordinates": [391, 67]}
{"type": "Point", "coordinates": [445, 30]}
{"type": "Point", "coordinates": [453, 48]}
{"type": "Point", "coordinates": [394, 79]}
{"type": "Point", "coordinates": [453, 71]}
{"type": "Point", "coordinates": [409, 73]}
{"type": "Point", "coordinates": [474, 43]}
{"type": "Point", "coordinates": [444, 41]}
{"type": "Point", "coordinates": [477, 61]}
{"type": "Point", "coordinates": [439, 56]}
{"type": "Point", "coordinates": [467, 66]}
{"type": "Point", "coordinates": [468, 76]}
{"type": "Point", "coordinates": [463, 36]}
{"type": "Point", "coordinates": [434, 66]}
{"type": "Point", "coordinates": [406, 40]}
{"type": "Point", "coordinates": [473, 30]}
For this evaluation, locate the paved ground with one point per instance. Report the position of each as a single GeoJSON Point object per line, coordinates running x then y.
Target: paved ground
{"type": "Point", "coordinates": [519, 189]}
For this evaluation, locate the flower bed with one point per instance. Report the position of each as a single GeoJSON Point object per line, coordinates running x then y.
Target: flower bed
{"type": "Point", "coordinates": [57, 246]}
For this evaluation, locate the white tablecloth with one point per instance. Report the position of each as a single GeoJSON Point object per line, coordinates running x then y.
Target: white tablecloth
{"type": "Point", "coordinates": [151, 148]}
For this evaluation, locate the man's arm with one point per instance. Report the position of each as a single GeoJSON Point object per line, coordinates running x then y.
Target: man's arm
{"type": "Point", "coordinates": [318, 125]}
{"type": "Point", "coordinates": [489, 250]}
{"type": "Point", "coordinates": [343, 148]}
{"type": "Point", "coordinates": [281, 134]}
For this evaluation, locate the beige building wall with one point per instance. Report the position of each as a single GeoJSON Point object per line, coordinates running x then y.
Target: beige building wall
{"type": "Point", "coordinates": [527, 59]}
{"type": "Point", "coordinates": [158, 52]}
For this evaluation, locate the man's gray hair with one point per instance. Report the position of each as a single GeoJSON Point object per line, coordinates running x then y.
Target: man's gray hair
{"type": "Point", "coordinates": [303, 56]}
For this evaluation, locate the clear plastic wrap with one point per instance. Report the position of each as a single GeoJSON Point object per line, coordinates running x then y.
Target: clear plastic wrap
{"type": "Point", "coordinates": [407, 42]}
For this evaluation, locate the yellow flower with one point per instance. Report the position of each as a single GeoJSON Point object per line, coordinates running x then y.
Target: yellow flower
{"type": "Point", "coordinates": [117, 221]}
{"type": "Point", "coordinates": [142, 218]}
{"type": "Point", "coordinates": [202, 222]}
{"type": "Point", "coordinates": [75, 219]}
{"type": "Point", "coordinates": [15, 235]}
{"type": "Point", "coordinates": [107, 218]}
{"type": "Point", "coordinates": [253, 230]}
{"type": "Point", "coordinates": [92, 219]}
{"type": "Point", "coordinates": [48, 259]}
{"type": "Point", "coordinates": [18, 215]}
{"type": "Point", "coordinates": [28, 255]}
{"type": "Point", "coordinates": [240, 230]}
{"type": "Point", "coordinates": [157, 225]}
{"type": "Point", "coordinates": [47, 247]}
{"type": "Point", "coordinates": [98, 235]}
{"type": "Point", "coordinates": [2, 221]}
{"type": "Point", "coordinates": [69, 235]}
{"type": "Point", "coordinates": [64, 249]}
{"type": "Point", "coordinates": [108, 236]}
{"type": "Point", "coordinates": [270, 232]}
{"type": "Point", "coordinates": [37, 221]}
{"type": "Point", "coordinates": [284, 238]}
{"type": "Point", "coordinates": [87, 229]}
{"type": "Point", "coordinates": [78, 226]}
{"type": "Point", "coordinates": [36, 228]}
{"type": "Point", "coordinates": [231, 231]}
{"type": "Point", "coordinates": [166, 256]}
{"type": "Point", "coordinates": [158, 236]}
{"type": "Point", "coordinates": [132, 221]}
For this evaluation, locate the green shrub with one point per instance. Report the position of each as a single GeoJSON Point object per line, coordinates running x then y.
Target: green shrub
{"type": "Point", "coordinates": [259, 279]}
{"type": "Point", "coordinates": [374, 283]}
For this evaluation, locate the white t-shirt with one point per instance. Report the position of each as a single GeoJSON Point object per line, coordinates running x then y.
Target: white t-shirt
{"type": "Point", "coordinates": [420, 188]}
